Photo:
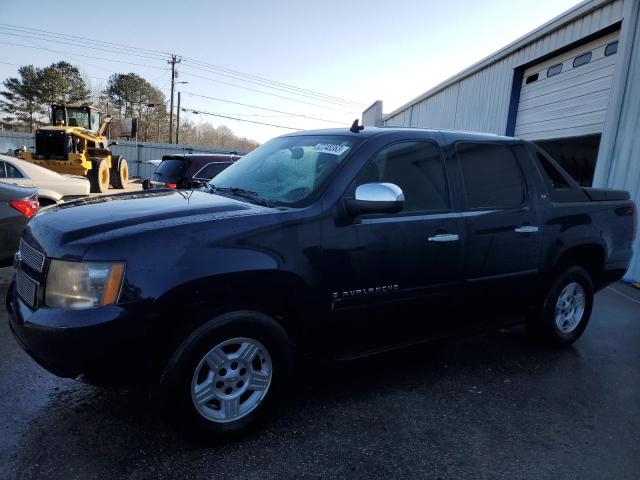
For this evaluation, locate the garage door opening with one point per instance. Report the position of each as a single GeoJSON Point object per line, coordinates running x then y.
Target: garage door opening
{"type": "Point", "coordinates": [577, 155]}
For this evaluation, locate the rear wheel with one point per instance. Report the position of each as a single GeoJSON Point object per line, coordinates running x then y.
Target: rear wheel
{"type": "Point", "coordinates": [119, 172]}
{"type": "Point", "coordinates": [567, 307]}
{"type": "Point", "coordinates": [227, 374]}
{"type": "Point", "coordinates": [99, 177]}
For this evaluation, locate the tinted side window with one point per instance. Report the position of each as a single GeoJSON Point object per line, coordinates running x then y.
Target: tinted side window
{"type": "Point", "coordinates": [417, 168]}
{"type": "Point", "coordinates": [3, 173]}
{"type": "Point", "coordinates": [558, 183]}
{"type": "Point", "coordinates": [211, 170]}
{"type": "Point", "coordinates": [492, 176]}
{"type": "Point", "coordinates": [554, 177]}
{"type": "Point", "coordinates": [171, 168]}
{"type": "Point", "coordinates": [12, 172]}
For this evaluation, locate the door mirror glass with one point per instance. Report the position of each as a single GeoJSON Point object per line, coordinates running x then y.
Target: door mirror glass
{"type": "Point", "coordinates": [376, 198]}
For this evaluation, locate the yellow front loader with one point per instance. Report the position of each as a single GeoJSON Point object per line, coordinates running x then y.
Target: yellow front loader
{"type": "Point", "coordinates": [75, 144]}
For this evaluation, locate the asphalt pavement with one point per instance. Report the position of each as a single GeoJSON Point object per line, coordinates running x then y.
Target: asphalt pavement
{"type": "Point", "coordinates": [485, 407]}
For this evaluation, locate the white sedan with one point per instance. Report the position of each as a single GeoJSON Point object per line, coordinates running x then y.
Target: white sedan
{"type": "Point", "coordinates": [52, 187]}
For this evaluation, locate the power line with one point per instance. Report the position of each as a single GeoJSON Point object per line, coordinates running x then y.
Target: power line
{"type": "Point", "coordinates": [93, 47]}
{"type": "Point", "coordinates": [270, 83]}
{"type": "Point", "coordinates": [200, 112]}
{"type": "Point", "coordinates": [277, 88]}
{"type": "Point", "coordinates": [198, 64]}
{"type": "Point", "coordinates": [263, 108]}
{"type": "Point", "coordinates": [267, 93]}
{"type": "Point", "coordinates": [81, 55]}
{"type": "Point", "coordinates": [84, 40]}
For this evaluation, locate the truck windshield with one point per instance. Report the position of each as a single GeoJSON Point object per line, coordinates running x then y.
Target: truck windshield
{"type": "Point", "coordinates": [287, 170]}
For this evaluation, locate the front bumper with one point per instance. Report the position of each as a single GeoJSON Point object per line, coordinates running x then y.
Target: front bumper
{"type": "Point", "coordinates": [107, 345]}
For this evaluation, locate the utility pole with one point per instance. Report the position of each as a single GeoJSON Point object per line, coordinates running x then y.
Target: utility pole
{"type": "Point", "coordinates": [178, 121]}
{"type": "Point", "coordinates": [174, 60]}
{"type": "Point", "coordinates": [109, 124]}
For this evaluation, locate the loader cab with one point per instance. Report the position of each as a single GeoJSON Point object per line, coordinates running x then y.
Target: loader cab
{"type": "Point", "coordinates": [76, 116]}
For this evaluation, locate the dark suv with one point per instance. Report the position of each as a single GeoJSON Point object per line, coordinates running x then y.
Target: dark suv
{"type": "Point", "coordinates": [188, 171]}
{"type": "Point", "coordinates": [333, 243]}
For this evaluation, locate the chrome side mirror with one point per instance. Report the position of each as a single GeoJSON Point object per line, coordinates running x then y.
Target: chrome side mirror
{"type": "Point", "coordinates": [375, 198]}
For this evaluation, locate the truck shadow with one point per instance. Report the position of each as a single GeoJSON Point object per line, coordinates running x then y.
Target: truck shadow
{"type": "Point", "coordinates": [121, 432]}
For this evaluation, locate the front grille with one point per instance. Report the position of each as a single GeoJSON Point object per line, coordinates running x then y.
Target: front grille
{"type": "Point", "coordinates": [31, 256]}
{"type": "Point", "coordinates": [27, 288]}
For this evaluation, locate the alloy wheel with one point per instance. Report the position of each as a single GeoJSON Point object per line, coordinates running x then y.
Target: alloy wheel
{"type": "Point", "coordinates": [570, 307]}
{"type": "Point", "coordinates": [231, 380]}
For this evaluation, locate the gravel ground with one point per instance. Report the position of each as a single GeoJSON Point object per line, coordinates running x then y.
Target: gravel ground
{"type": "Point", "coordinates": [491, 406]}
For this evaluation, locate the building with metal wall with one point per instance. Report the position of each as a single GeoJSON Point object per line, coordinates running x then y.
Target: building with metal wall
{"type": "Point", "coordinates": [572, 86]}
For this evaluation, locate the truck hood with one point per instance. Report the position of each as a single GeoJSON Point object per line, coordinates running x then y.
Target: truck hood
{"type": "Point", "coordinates": [72, 222]}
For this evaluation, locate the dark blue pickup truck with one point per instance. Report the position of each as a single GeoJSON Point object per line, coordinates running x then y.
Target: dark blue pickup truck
{"type": "Point", "coordinates": [332, 244]}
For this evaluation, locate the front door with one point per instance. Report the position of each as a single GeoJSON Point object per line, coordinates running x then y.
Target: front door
{"type": "Point", "coordinates": [380, 263]}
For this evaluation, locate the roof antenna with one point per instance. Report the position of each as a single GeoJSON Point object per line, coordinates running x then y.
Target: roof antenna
{"type": "Point", "coordinates": [355, 128]}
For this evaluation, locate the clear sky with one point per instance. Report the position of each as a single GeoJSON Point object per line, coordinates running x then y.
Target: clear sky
{"type": "Point", "coordinates": [353, 49]}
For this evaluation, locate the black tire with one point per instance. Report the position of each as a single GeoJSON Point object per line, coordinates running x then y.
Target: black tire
{"type": "Point", "coordinates": [99, 177]}
{"type": "Point", "coordinates": [119, 172]}
{"type": "Point", "coordinates": [176, 383]}
{"type": "Point", "coordinates": [542, 322]}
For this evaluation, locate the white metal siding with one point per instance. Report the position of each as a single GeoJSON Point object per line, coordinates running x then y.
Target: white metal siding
{"type": "Point", "coordinates": [478, 98]}
{"type": "Point", "coordinates": [618, 163]}
{"type": "Point", "coordinates": [571, 103]}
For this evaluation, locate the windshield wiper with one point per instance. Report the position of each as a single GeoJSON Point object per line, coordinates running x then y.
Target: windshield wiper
{"type": "Point", "coordinates": [241, 192]}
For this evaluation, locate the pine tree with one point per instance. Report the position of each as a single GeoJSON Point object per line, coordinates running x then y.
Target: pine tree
{"type": "Point", "coordinates": [22, 96]}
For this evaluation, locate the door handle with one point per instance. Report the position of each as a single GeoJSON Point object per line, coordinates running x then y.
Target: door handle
{"type": "Point", "coordinates": [527, 229]}
{"type": "Point", "coordinates": [445, 237]}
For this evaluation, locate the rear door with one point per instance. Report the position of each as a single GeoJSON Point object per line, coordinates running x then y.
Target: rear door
{"type": "Point", "coordinates": [502, 247]}
{"type": "Point", "coordinates": [11, 174]}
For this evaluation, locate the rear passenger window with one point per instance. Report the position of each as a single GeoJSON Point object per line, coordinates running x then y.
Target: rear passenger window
{"type": "Point", "coordinates": [12, 172]}
{"type": "Point", "coordinates": [3, 173]}
{"type": "Point", "coordinates": [492, 176]}
{"type": "Point", "coordinates": [211, 170]}
{"type": "Point", "coordinates": [417, 168]}
{"type": "Point", "coordinates": [554, 177]}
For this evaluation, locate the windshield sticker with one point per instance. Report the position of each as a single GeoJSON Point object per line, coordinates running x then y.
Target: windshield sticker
{"type": "Point", "coordinates": [331, 148]}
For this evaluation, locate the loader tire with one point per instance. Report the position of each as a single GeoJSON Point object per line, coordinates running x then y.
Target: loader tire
{"type": "Point", "coordinates": [119, 173]}
{"type": "Point", "coordinates": [99, 177]}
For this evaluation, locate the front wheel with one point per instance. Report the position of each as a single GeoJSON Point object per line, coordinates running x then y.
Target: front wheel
{"type": "Point", "coordinates": [227, 374]}
{"type": "Point", "coordinates": [119, 173]}
{"type": "Point", "coordinates": [99, 177]}
{"type": "Point", "coordinates": [567, 307]}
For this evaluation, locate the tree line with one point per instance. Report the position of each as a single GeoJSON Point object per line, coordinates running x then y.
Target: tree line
{"type": "Point", "coordinates": [26, 101]}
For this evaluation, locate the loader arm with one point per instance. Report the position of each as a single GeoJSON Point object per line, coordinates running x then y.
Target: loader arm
{"type": "Point", "coordinates": [103, 126]}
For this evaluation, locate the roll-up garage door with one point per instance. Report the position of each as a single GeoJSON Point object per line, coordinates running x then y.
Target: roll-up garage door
{"type": "Point", "coordinates": [567, 96]}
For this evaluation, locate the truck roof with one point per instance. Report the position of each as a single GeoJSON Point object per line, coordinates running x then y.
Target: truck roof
{"type": "Point", "coordinates": [374, 131]}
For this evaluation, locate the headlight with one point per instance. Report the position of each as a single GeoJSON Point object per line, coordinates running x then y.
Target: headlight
{"type": "Point", "coordinates": [78, 285]}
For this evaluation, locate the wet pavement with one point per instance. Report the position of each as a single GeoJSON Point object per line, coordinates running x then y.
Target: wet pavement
{"type": "Point", "coordinates": [490, 406]}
